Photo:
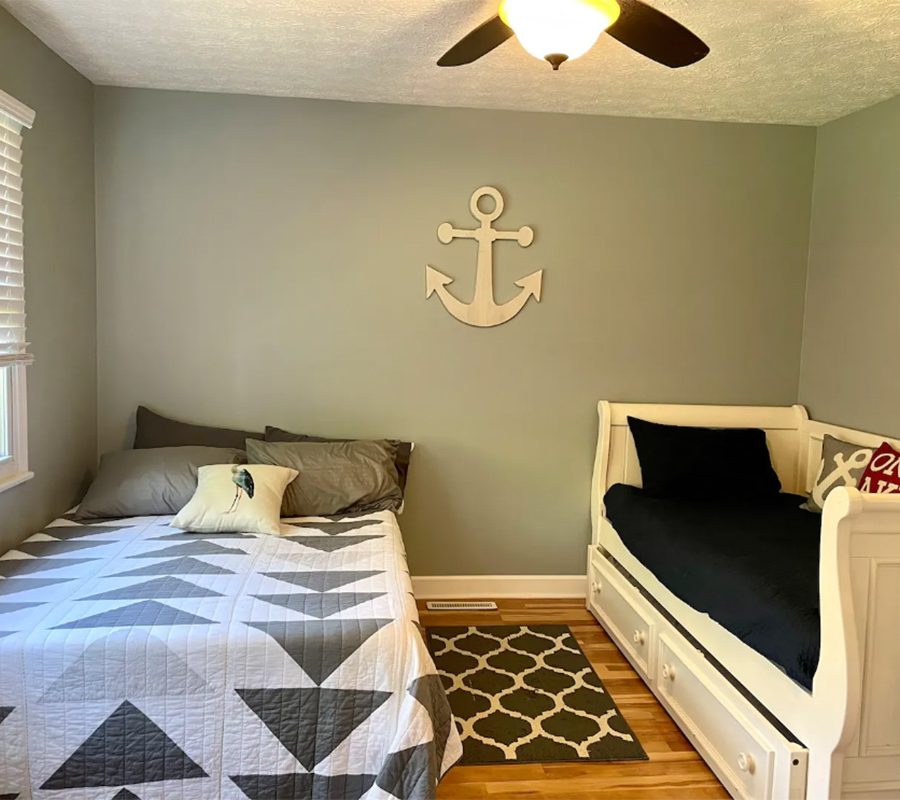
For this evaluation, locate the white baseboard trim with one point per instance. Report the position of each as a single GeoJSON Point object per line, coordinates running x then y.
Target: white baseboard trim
{"type": "Point", "coordinates": [488, 587]}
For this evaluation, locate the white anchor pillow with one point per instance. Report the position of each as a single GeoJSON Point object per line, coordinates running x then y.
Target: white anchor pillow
{"type": "Point", "coordinates": [239, 498]}
{"type": "Point", "coordinates": [842, 464]}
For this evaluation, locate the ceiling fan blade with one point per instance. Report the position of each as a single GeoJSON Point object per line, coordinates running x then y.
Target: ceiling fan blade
{"type": "Point", "coordinates": [651, 33]}
{"type": "Point", "coordinates": [479, 42]}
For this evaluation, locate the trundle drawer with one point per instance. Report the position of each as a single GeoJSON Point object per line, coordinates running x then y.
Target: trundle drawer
{"type": "Point", "coordinates": [750, 755]}
{"type": "Point", "coordinates": [623, 610]}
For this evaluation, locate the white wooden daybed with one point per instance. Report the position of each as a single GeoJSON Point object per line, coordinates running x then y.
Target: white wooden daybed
{"type": "Point", "coordinates": [764, 735]}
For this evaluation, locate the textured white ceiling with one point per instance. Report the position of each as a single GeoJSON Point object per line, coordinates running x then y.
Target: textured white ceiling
{"type": "Point", "coordinates": [787, 61]}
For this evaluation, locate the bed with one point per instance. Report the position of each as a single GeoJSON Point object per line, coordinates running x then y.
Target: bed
{"type": "Point", "coordinates": [137, 660]}
{"type": "Point", "coordinates": [768, 724]}
{"type": "Point", "coordinates": [731, 545]}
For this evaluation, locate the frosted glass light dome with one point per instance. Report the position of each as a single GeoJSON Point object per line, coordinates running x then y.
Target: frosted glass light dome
{"type": "Point", "coordinates": [558, 30]}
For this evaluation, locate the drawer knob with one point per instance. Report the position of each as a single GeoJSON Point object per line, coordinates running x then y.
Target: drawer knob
{"type": "Point", "coordinates": [668, 672]}
{"type": "Point", "coordinates": [640, 638]}
{"type": "Point", "coordinates": [597, 587]}
{"type": "Point", "coordinates": [746, 763]}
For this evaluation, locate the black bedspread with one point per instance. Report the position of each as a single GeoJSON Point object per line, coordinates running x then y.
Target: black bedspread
{"type": "Point", "coordinates": [753, 566]}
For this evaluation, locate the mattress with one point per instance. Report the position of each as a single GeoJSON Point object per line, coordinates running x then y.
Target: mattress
{"type": "Point", "coordinates": [752, 566]}
{"type": "Point", "coordinates": [137, 660]}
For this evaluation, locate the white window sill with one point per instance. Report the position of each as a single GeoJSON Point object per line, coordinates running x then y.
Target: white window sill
{"type": "Point", "coordinates": [8, 481]}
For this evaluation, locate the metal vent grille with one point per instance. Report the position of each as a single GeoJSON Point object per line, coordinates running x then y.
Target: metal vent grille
{"type": "Point", "coordinates": [463, 605]}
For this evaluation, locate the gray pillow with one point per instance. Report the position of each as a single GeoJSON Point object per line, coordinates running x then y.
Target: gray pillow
{"type": "Point", "coordinates": [842, 464]}
{"type": "Point", "coordinates": [155, 430]}
{"type": "Point", "coordinates": [402, 454]}
{"type": "Point", "coordinates": [140, 483]}
{"type": "Point", "coordinates": [334, 477]}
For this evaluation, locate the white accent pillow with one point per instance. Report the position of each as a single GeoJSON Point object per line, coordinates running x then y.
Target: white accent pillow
{"type": "Point", "coordinates": [236, 498]}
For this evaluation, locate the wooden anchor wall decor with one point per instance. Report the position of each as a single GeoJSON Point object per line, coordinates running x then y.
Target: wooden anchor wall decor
{"type": "Point", "coordinates": [483, 311]}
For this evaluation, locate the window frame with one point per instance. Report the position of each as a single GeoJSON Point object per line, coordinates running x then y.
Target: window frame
{"type": "Point", "coordinates": [14, 400]}
{"type": "Point", "coordinates": [14, 465]}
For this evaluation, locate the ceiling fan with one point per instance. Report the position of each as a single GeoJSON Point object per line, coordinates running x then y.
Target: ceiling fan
{"type": "Point", "coordinates": [557, 31]}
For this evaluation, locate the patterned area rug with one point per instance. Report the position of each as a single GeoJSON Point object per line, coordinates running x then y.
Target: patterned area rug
{"type": "Point", "coordinates": [527, 693]}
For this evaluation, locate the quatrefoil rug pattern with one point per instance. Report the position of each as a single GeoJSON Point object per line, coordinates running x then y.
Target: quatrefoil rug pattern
{"type": "Point", "coordinates": [528, 694]}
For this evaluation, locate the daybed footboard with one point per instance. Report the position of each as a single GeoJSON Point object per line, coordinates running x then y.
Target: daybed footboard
{"type": "Point", "coordinates": [856, 686]}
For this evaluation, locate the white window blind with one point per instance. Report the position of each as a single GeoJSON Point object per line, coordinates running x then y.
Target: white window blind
{"type": "Point", "coordinates": [14, 117]}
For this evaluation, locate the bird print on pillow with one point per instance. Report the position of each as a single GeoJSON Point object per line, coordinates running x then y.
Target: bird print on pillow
{"type": "Point", "coordinates": [243, 483]}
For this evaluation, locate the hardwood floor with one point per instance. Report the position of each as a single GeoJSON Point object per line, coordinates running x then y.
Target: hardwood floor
{"type": "Point", "coordinates": [674, 771]}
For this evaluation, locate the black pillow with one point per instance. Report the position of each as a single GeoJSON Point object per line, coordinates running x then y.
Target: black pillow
{"type": "Point", "coordinates": [155, 430]}
{"type": "Point", "coordinates": [401, 457]}
{"type": "Point", "coordinates": [679, 461]}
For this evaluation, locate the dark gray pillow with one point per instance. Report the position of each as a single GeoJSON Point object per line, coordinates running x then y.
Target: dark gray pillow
{"type": "Point", "coordinates": [142, 483]}
{"type": "Point", "coordinates": [155, 430]}
{"type": "Point", "coordinates": [842, 464]}
{"type": "Point", "coordinates": [402, 453]}
{"type": "Point", "coordinates": [335, 477]}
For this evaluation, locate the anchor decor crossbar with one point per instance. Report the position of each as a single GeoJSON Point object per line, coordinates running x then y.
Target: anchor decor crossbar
{"type": "Point", "coordinates": [484, 311]}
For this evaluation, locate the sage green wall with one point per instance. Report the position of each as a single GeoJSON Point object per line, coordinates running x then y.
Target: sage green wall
{"type": "Point", "coordinates": [60, 280]}
{"type": "Point", "coordinates": [849, 372]}
{"type": "Point", "coordinates": [263, 261]}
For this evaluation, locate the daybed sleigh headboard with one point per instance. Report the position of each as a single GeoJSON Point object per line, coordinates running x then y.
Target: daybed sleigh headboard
{"type": "Point", "coordinates": [616, 460]}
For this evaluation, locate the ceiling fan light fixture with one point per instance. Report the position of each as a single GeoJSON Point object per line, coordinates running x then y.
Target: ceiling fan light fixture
{"type": "Point", "coordinates": [558, 30]}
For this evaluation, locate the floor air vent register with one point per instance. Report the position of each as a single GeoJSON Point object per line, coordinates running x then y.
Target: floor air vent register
{"type": "Point", "coordinates": [450, 605]}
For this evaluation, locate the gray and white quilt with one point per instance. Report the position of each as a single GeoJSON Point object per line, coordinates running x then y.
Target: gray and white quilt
{"type": "Point", "coordinates": [138, 661]}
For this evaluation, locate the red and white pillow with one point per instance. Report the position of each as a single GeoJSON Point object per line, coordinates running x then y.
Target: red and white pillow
{"type": "Point", "coordinates": [882, 473]}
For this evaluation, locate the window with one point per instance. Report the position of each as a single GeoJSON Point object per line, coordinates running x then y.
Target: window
{"type": "Point", "coordinates": [14, 355]}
